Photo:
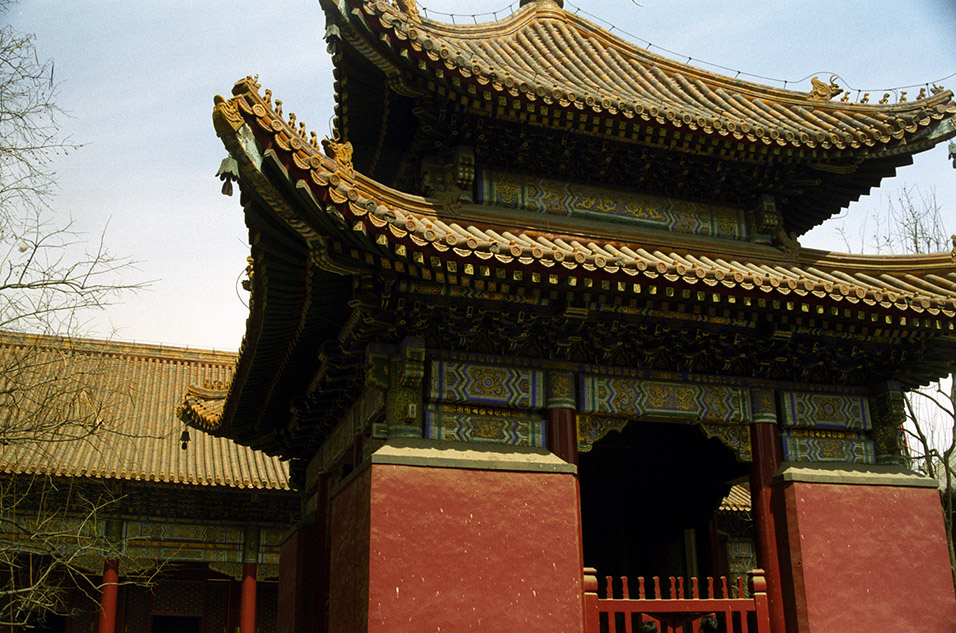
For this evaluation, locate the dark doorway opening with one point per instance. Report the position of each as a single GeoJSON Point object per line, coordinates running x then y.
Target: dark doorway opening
{"type": "Point", "coordinates": [648, 494]}
{"type": "Point", "coordinates": [176, 624]}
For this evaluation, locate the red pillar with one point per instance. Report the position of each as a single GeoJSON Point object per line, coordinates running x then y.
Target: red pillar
{"type": "Point", "coordinates": [109, 598]}
{"type": "Point", "coordinates": [563, 434]}
{"type": "Point", "coordinates": [765, 444]}
{"type": "Point", "coordinates": [247, 604]}
{"type": "Point", "coordinates": [561, 421]}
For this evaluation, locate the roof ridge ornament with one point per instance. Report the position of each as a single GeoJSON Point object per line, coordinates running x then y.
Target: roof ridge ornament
{"type": "Point", "coordinates": [341, 153]}
{"type": "Point", "coordinates": [822, 91]}
{"type": "Point", "coordinates": [558, 3]}
{"type": "Point", "coordinates": [409, 8]}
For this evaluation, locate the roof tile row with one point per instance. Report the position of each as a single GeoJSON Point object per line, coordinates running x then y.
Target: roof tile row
{"type": "Point", "coordinates": [139, 387]}
{"type": "Point", "coordinates": [549, 55]}
{"type": "Point", "coordinates": [914, 283]}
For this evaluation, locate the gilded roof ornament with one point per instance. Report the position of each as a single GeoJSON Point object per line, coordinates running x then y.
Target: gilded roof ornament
{"type": "Point", "coordinates": [409, 8]}
{"type": "Point", "coordinates": [341, 153]}
{"type": "Point", "coordinates": [822, 91]}
{"type": "Point", "coordinates": [558, 3]}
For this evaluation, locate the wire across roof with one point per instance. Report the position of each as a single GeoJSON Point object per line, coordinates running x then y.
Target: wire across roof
{"type": "Point", "coordinates": [556, 58]}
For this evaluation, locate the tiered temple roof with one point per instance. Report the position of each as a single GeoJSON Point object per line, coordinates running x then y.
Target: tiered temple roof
{"type": "Point", "coordinates": [396, 229]}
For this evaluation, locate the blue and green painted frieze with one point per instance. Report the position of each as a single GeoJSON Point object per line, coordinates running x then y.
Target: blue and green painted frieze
{"type": "Point", "coordinates": [804, 409]}
{"type": "Point", "coordinates": [489, 385]}
{"type": "Point", "coordinates": [821, 445]}
{"type": "Point", "coordinates": [664, 399]}
{"type": "Point", "coordinates": [483, 424]}
{"type": "Point", "coordinates": [554, 197]}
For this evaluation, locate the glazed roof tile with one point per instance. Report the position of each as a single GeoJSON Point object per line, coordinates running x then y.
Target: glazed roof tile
{"type": "Point", "coordinates": [737, 500]}
{"type": "Point", "coordinates": [556, 58]}
{"type": "Point", "coordinates": [387, 219]}
{"type": "Point", "coordinates": [142, 386]}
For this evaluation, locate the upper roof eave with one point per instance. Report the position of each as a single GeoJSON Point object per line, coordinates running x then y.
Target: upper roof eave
{"type": "Point", "coordinates": [385, 216]}
{"type": "Point", "coordinates": [534, 56]}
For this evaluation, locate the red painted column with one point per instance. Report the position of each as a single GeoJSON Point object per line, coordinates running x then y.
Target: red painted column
{"type": "Point", "coordinates": [247, 604]}
{"type": "Point", "coordinates": [563, 434]}
{"type": "Point", "coordinates": [108, 601]}
{"type": "Point", "coordinates": [765, 444]}
{"type": "Point", "coordinates": [561, 417]}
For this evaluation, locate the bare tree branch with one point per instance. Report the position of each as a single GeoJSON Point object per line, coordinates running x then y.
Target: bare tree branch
{"type": "Point", "coordinates": [914, 224]}
{"type": "Point", "coordinates": [51, 280]}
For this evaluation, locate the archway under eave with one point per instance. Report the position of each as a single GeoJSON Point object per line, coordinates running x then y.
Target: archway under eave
{"type": "Point", "coordinates": [649, 493]}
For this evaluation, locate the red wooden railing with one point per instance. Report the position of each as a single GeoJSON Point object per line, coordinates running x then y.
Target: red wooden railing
{"type": "Point", "coordinates": [683, 608]}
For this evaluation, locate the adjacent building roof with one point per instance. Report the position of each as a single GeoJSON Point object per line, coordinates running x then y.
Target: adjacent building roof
{"type": "Point", "coordinates": [131, 393]}
{"type": "Point", "coordinates": [737, 500]}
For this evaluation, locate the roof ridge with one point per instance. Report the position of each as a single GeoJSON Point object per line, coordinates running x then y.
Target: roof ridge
{"type": "Point", "coordinates": [119, 348]}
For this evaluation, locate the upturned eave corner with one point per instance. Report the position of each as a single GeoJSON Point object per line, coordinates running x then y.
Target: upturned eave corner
{"type": "Point", "coordinates": [201, 408]}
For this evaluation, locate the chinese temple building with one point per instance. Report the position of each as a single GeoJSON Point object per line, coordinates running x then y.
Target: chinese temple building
{"type": "Point", "coordinates": [128, 529]}
{"type": "Point", "coordinates": [540, 301]}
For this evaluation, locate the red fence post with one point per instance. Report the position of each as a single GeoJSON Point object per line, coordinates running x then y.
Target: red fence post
{"type": "Point", "coordinates": [758, 589]}
{"type": "Point", "coordinates": [592, 618]}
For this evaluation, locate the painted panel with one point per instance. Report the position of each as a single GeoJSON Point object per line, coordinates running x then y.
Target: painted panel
{"type": "Point", "coordinates": [467, 423]}
{"type": "Point", "coordinates": [630, 397]}
{"type": "Point", "coordinates": [801, 445]}
{"type": "Point", "coordinates": [824, 410]}
{"type": "Point", "coordinates": [592, 427]}
{"type": "Point", "coordinates": [511, 387]}
{"type": "Point", "coordinates": [741, 556]}
{"type": "Point", "coordinates": [154, 540]}
{"type": "Point", "coordinates": [542, 195]}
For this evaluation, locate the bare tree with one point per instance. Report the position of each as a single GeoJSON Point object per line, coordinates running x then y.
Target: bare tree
{"type": "Point", "coordinates": [931, 422]}
{"type": "Point", "coordinates": [914, 224]}
{"type": "Point", "coordinates": [51, 279]}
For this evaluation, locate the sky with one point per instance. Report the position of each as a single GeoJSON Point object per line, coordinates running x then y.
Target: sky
{"type": "Point", "coordinates": [138, 81]}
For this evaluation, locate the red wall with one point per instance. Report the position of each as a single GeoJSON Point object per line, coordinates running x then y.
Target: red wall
{"type": "Point", "coordinates": [349, 556]}
{"type": "Point", "coordinates": [462, 550]}
{"type": "Point", "coordinates": [868, 558]}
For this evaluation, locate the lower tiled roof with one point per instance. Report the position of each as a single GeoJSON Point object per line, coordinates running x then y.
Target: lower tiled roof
{"type": "Point", "coordinates": [133, 391]}
{"type": "Point", "coordinates": [737, 500]}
